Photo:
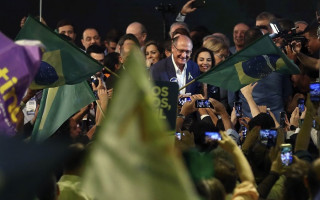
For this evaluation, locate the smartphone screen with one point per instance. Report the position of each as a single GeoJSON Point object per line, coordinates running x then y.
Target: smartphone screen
{"type": "Point", "coordinates": [314, 92]}
{"type": "Point", "coordinates": [282, 119]}
{"type": "Point", "coordinates": [268, 137]}
{"type": "Point", "coordinates": [286, 154]}
{"type": "Point", "coordinates": [238, 108]}
{"type": "Point", "coordinates": [183, 100]}
{"type": "Point", "coordinates": [212, 136]}
{"type": "Point", "coordinates": [203, 103]}
{"type": "Point", "coordinates": [301, 105]}
{"type": "Point", "coordinates": [178, 136]}
{"type": "Point", "coordinates": [244, 131]}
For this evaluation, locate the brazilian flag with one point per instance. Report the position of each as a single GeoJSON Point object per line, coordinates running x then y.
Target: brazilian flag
{"type": "Point", "coordinates": [62, 62]}
{"type": "Point", "coordinates": [249, 65]}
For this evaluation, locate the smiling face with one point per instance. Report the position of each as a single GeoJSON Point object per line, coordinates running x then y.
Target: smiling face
{"type": "Point", "coordinates": [181, 50]}
{"type": "Point", "coordinates": [204, 61]}
{"type": "Point", "coordinates": [238, 34]}
{"type": "Point", "coordinates": [152, 54]}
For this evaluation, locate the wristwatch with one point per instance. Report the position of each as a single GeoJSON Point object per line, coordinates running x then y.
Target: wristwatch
{"type": "Point", "coordinates": [181, 116]}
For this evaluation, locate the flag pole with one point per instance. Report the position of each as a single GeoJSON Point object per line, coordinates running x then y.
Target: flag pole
{"type": "Point", "coordinates": [186, 85]}
{"type": "Point", "coordinates": [40, 11]}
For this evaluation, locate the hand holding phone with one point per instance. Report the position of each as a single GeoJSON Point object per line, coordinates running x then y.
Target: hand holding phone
{"type": "Point", "coordinates": [183, 100]}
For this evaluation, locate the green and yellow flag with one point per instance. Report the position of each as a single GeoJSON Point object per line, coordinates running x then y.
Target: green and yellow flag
{"type": "Point", "coordinates": [57, 105]}
{"type": "Point", "coordinates": [132, 156]}
{"type": "Point", "coordinates": [62, 62]}
{"type": "Point", "coordinates": [251, 64]}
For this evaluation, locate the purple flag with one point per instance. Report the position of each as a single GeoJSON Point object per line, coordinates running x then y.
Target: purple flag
{"type": "Point", "coordinates": [18, 65]}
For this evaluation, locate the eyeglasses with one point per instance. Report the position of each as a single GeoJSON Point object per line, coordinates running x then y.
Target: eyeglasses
{"type": "Point", "coordinates": [181, 51]}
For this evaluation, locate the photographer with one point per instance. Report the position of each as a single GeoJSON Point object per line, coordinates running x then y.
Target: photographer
{"type": "Point", "coordinates": [313, 46]}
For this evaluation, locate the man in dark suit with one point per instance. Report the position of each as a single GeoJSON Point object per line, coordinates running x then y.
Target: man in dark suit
{"type": "Point", "coordinates": [178, 68]}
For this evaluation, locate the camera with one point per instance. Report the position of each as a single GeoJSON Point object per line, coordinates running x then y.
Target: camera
{"type": "Point", "coordinates": [286, 154]}
{"type": "Point", "coordinates": [203, 103]}
{"type": "Point", "coordinates": [268, 137]}
{"type": "Point", "coordinates": [287, 35]}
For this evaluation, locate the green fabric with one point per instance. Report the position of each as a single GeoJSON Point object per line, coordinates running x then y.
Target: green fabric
{"type": "Point", "coordinates": [70, 188]}
{"type": "Point", "coordinates": [70, 63]}
{"type": "Point", "coordinates": [132, 156]}
{"type": "Point", "coordinates": [57, 105]}
{"type": "Point", "coordinates": [249, 65]}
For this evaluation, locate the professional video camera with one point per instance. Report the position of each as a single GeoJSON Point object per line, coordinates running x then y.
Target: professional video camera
{"type": "Point", "coordinates": [287, 35]}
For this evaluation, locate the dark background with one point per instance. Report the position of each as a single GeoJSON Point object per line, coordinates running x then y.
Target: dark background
{"type": "Point", "coordinates": [217, 15]}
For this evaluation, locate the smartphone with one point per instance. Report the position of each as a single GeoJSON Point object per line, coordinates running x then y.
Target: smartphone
{"type": "Point", "coordinates": [95, 80]}
{"type": "Point", "coordinates": [286, 154]}
{"type": "Point", "coordinates": [178, 136]}
{"type": "Point", "coordinates": [203, 103]}
{"type": "Point", "coordinates": [268, 137]}
{"type": "Point", "coordinates": [212, 136]}
{"type": "Point", "coordinates": [244, 131]}
{"type": "Point", "coordinates": [238, 107]}
{"type": "Point", "coordinates": [183, 100]}
{"type": "Point", "coordinates": [282, 119]}
{"type": "Point", "coordinates": [198, 4]}
{"type": "Point", "coordinates": [314, 92]}
{"type": "Point", "coordinates": [301, 105]}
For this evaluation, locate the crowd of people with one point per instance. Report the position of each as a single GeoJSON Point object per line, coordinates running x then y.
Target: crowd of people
{"type": "Point", "coordinates": [247, 163]}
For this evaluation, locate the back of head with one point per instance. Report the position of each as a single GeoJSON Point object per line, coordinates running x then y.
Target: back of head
{"type": "Point", "coordinates": [111, 60]}
{"type": "Point", "coordinates": [215, 44]}
{"type": "Point", "coordinates": [294, 188]}
{"type": "Point", "coordinates": [251, 35]}
{"type": "Point", "coordinates": [286, 24]}
{"type": "Point", "coordinates": [226, 173]}
{"type": "Point", "coordinates": [313, 178]}
{"type": "Point", "coordinates": [263, 120]}
{"type": "Point", "coordinates": [64, 22]}
{"type": "Point", "coordinates": [128, 37]}
{"type": "Point", "coordinates": [180, 31]}
{"type": "Point", "coordinates": [312, 29]}
{"type": "Point", "coordinates": [211, 189]}
{"type": "Point", "coordinates": [95, 49]}
{"type": "Point", "coordinates": [199, 127]}
{"type": "Point", "coordinates": [75, 161]}
{"type": "Point", "coordinates": [265, 16]}
{"type": "Point", "coordinates": [176, 25]}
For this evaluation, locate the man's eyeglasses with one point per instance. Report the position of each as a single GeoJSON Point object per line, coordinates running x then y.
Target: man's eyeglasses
{"type": "Point", "coordinates": [181, 51]}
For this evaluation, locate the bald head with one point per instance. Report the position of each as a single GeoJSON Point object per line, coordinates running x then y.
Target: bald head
{"type": "Point", "coordinates": [138, 30]}
{"type": "Point", "coordinates": [181, 50]}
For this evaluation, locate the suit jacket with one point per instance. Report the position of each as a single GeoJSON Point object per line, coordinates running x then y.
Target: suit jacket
{"type": "Point", "coordinates": [164, 71]}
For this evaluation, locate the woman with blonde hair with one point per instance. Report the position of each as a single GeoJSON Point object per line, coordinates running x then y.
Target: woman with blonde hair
{"type": "Point", "coordinates": [219, 48]}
